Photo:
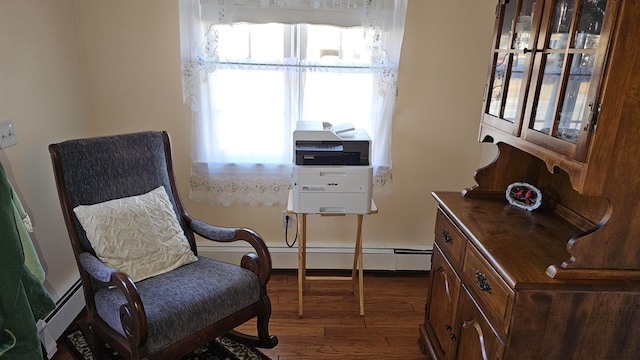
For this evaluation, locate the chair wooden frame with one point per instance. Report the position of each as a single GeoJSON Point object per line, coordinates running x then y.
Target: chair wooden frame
{"type": "Point", "coordinates": [133, 316]}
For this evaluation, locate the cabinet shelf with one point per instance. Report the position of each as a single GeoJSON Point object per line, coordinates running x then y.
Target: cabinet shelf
{"type": "Point", "coordinates": [522, 244]}
{"type": "Point", "coordinates": [552, 160]}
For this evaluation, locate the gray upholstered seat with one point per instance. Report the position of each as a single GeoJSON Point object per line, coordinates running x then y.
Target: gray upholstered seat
{"type": "Point", "coordinates": [168, 315]}
{"type": "Point", "coordinates": [175, 308]}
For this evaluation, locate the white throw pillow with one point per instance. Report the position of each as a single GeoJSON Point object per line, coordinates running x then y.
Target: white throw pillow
{"type": "Point", "coordinates": [139, 235]}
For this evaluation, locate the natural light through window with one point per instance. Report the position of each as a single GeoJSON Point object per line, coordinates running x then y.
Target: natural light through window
{"type": "Point", "coordinates": [270, 76]}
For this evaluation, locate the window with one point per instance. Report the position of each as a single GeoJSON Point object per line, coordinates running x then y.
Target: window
{"type": "Point", "coordinates": [287, 73]}
{"type": "Point", "coordinates": [249, 83]}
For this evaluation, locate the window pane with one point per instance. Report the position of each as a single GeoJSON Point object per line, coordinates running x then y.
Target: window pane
{"type": "Point", "coordinates": [506, 85]}
{"type": "Point", "coordinates": [337, 97]}
{"type": "Point", "coordinates": [575, 98]}
{"type": "Point", "coordinates": [260, 88]}
{"type": "Point", "coordinates": [515, 83]}
{"type": "Point", "coordinates": [507, 25]}
{"type": "Point", "coordinates": [497, 84]}
{"type": "Point", "coordinates": [249, 106]}
{"type": "Point", "coordinates": [561, 23]}
{"type": "Point", "coordinates": [547, 98]}
{"type": "Point", "coordinates": [256, 42]}
{"type": "Point", "coordinates": [330, 43]}
{"type": "Point", "coordinates": [523, 25]}
{"type": "Point", "coordinates": [589, 24]}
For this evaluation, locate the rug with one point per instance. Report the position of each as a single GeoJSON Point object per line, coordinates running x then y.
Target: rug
{"type": "Point", "coordinates": [221, 348]}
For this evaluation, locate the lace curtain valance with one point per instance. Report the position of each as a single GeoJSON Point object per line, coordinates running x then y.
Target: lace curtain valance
{"type": "Point", "coordinates": [339, 13]}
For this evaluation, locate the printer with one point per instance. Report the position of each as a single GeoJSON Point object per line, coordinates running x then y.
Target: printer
{"type": "Point", "coordinates": [320, 143]}
{"type": "Point", "coordinates": [332, 173]}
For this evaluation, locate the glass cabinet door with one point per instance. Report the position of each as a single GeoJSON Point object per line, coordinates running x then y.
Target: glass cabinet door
{"type": "Point", "coordinates": [562, 109]}
{"type": "Point", "coordinates": [548, 61]}
{"type": "Point", "coordinates": [509, 74]}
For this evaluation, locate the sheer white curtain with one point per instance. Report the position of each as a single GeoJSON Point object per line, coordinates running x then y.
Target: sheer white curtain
{"type": "Point", "coordinates": [247, 88]}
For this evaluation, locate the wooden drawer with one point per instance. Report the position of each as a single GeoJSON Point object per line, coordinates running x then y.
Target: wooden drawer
{"type": "Point", "coordinates": [490, 291]}
{"type": "Point", "coordinates": [450, 239]}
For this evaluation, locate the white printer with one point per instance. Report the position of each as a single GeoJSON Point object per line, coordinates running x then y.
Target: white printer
{"type": "Point", "coordinates": [332, 173]}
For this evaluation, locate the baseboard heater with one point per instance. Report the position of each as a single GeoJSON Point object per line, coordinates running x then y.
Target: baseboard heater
{"type": "Point", "coordinates": [56, 323]}
{"type": "Point", "coordinates": [330, 257]}
{"type": "Point", "coordinates": [412, 252]}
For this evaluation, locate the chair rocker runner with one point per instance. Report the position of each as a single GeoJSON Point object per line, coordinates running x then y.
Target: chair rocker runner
{"type": "Point", "coordinates": [121, 206]}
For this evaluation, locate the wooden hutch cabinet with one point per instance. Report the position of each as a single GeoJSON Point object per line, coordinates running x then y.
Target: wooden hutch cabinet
{"type": "Point", "coordinates": [562, 105]}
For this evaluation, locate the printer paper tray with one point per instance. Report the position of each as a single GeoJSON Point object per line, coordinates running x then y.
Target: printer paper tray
{"type": "Point", "coordinates": [332, 203]}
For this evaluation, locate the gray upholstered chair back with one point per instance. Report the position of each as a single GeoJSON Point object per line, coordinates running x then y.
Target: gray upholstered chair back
{"type": "Point", "coordinates": [112, 167]}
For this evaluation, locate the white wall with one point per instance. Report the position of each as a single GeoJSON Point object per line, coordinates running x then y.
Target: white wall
{"type": "Point", "coordinates": [42, 89]}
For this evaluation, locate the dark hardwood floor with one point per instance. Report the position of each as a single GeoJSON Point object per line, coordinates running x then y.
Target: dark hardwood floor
{"type": "Point", "coordinates": [332, 327]}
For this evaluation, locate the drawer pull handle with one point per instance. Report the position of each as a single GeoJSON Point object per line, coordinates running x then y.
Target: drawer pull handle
{"type": "Point", "coordinates": [482, 282]}
{"type": "Point", "coordinates": [446, 236]}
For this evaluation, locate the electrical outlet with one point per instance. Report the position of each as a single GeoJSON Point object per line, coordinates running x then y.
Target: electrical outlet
{"type": "Point", "coordinates": [7, 134]}
{"type": "Point", "coordinates": [285, 222]}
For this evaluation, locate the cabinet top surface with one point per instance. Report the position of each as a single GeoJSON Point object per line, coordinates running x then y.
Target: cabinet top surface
{"type": "Point", "coordinates": [518, 243]}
